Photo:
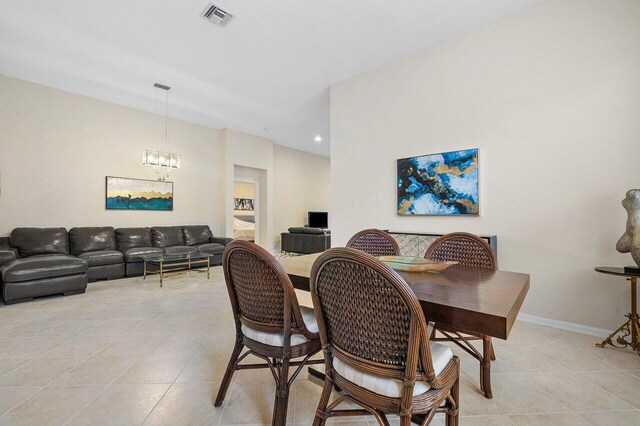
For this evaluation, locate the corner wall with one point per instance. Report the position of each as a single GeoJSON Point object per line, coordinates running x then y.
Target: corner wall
{"type": "Point", "coordinates": [302, 184]}
{"type": "Point", "coordinates": [552, 98]}
{"type": "Point", "coordinates": [56, 148]}
{"type": "Point", "coordinates": [294, 182]}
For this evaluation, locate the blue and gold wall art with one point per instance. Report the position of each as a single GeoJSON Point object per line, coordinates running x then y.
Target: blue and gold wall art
{"type": "Point", "coordinates": [439, 184]}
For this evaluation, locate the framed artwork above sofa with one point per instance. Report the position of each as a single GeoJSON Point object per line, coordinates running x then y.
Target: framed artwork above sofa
{"type": "Point", "coordinates": [138, 194]}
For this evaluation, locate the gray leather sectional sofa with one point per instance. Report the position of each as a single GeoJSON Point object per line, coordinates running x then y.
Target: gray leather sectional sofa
{"type": "Point", "coordinates": [38, 262]}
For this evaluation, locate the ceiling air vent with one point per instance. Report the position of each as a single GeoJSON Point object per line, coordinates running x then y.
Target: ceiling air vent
{"type": "Point", "coordinates": [217, 15]}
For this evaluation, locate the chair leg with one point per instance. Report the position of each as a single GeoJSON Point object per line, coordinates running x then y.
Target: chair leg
{"type": "Point", "coordinates": [282, 396]}
{"type": "Point", "coordinates": [452, 412]}
{"type": "Point", "coordinates": [405, 420]}
{"type": "Point", "coordinates": [228, 375]}
{"type": "Point", "coordinates": [321, 411]}
{"type": "Point", "coordinates": [485, 367]}
{"type": "Point", "coordinates": [493, 352]}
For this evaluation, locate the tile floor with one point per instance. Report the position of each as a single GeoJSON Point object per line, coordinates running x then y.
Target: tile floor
{"type": "Point", "coordinates": [129, 352]}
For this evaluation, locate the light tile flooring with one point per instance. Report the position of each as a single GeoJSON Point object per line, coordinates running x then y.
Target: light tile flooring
{"type": "Point", "coordinates": [129, 352]}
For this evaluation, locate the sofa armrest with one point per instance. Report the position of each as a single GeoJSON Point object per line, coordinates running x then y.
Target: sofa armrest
{"type": "Point", "coordinates": [220, 240]}
{"type": "Point", "coordinates": [7, 255]}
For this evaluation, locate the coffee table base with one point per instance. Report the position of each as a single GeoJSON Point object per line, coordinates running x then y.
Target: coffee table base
{"type": "Point", "coordinates": [169, 267]}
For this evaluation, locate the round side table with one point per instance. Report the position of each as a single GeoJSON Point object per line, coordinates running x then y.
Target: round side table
{"type": "Point", "coordinates": [631, 328]}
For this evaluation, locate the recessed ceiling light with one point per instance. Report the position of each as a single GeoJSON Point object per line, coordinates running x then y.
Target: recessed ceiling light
{"type": "Point", "coordinates": [318, 138]}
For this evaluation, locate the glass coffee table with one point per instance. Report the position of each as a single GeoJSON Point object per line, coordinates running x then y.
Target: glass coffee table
{"type": "Point", "coordinates": [165, 263]}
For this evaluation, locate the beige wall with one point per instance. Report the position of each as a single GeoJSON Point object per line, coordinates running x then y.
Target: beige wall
{"type": "Point", "coordinates": [552, 99]}
{"type": "Point", "coordinates": [57, 147]}
{"type": "Point", "coordinates": [290, 182]}
{"type": "Point", "coordinates": [251, 157]}
{"type": "Point", "coordinates": [301, 182]}
{"type": "Point", "coordinates": [244, 190]}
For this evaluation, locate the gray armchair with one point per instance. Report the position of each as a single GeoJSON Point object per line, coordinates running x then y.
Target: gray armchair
{"type": "Point", "coordinates": [305, 240]}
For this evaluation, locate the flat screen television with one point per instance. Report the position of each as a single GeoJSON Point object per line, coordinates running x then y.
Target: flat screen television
{"type": "Point", "coordinates": [318, 219]}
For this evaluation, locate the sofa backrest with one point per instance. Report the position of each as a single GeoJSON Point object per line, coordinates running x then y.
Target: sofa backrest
{"type": "Point", "coordinates": [196, 234]}
{"type": "Point", "coordinates": [127, 238]}
{"type": "Point", "coordinates": [92, 239]}
{"type": "Point", "coordinates": [167, 236]}
{"type": "Point", "coordinates": [34, 241]}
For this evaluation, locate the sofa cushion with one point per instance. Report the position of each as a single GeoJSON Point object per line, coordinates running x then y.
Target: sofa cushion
{"type": "Point", "coordinates": [92, 239]}
{"type": "Point", "coordinates": [42, 266]}
{"type": "Point", "coordinates": [277, 339]}
{"type": "Point", "coordinates": [127, 238]}
{"type": "Point", "coordinates": [313, 231]}
{"type": "Point", "coordinates": [133, 254]}
{"type": "Point", "coordinates": [297, 230]}
{"type": "Point", "coordinates": [180, 249]}
{"type": "Point", "coordinates": [35, 241]}
{"type": "Point", "coordinates": [440, 354]}
{"type": "Point", "coordinates": [220, 240]}
{"type": "Point", "coordinates": [102, 257]}
{"type": "Point", "coordinates": [210, 248]}
{"type": "Point", "coordinates": [7, 255]}
{"type": "Point", "coordinates": [167, 236]}
{"type": "Point", "coordinates": [194, 235]}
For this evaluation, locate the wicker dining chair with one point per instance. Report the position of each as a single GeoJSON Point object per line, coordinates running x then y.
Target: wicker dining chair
{"type": "Point", "coordinates": [474, 252]}
{"type": "Point", "coordinates": [269, 321]}
{"type": "Point", "coordinates": [376, 345]}
{"type": "Point", "coordinates": [375, 242]}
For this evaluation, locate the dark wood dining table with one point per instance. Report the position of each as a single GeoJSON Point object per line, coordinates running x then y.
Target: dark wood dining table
{"type": "Point", "coordinates": [475, 300]}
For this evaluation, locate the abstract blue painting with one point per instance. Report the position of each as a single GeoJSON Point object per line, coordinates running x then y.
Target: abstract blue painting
{"type": "Point", "coordinates": [138, 194]}
{"type": "Point", "coordinates": [439, 184]}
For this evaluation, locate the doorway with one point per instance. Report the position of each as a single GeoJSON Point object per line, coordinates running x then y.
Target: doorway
{"type": "Point", "coordinates": [245, 209]}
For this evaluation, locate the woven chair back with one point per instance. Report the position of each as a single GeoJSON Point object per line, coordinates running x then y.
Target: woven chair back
{"type": "Point", "coordinates": [260, 290]}
{"type": "Point", "coordinates": [374, 242]}
{"type": "Point", "coordinates": [367, 315]}
{"type": "Point", "coordinates": [468, 249]}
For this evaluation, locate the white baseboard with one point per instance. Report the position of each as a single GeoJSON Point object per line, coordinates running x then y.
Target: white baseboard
{"type": "Point", "coordinates": [564, 325]}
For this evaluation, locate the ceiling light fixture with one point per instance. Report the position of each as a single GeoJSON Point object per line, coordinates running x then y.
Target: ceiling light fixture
{"type": "Point", "coordinates": [163, 162]}
{"type": "Point", "coordinates": [318, 138]}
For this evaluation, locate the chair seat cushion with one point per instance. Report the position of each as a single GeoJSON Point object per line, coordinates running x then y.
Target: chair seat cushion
{"type": "Point", "coordinates": [440, 354]}
{"type": "Point", "coordinates": [42, 266]}
{"type": "Point", "coordinates": [133, 254]}
{"type": "Point", "coordinates": [102, 257]}
{"type": "Point", "coordinates": [179, 249]}
{"type": "Point", "coordinates": [210, 248]}
{"type": "Point", "coordinates": [277, 339]}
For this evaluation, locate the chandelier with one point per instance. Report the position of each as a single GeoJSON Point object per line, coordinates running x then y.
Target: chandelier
{"type": "Point", "coordinates": [163, 162]}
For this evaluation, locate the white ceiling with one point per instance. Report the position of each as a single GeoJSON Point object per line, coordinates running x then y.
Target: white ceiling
{"type": "Point", "coordinates": [268, 72]}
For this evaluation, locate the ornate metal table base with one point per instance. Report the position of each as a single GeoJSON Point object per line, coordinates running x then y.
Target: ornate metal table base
{"type": "Point", "coordinates": [630, 329]}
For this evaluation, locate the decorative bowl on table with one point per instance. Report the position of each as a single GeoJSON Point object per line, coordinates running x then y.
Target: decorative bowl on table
{"type": "Point", "coordinates": [415, 264]}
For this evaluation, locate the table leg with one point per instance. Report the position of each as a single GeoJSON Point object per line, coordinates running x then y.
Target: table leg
{"type": "Point", "coordinates": [208, 268]}
{"type": "Point", "coordinates": [485, 367]}
{"type": "Point", "coordinates": [144, 277]}
{"type": "Point", "coordinates": [161, 273]}
{"type": "Point", "coordinates": [631, 328]}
